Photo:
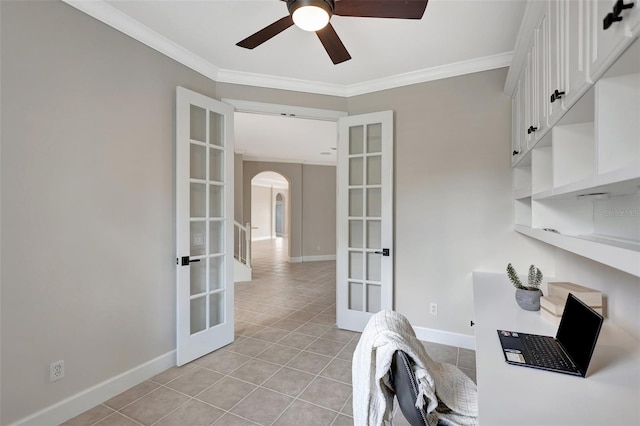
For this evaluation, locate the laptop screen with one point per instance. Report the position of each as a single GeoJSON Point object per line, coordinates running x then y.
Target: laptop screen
{"type": "Point", "coordinates": [578, 331]}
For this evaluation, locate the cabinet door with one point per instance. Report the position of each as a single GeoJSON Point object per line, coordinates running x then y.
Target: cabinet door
{"type": "Point", "coordinates": [575, 32]}
{"type": "Point", "coordinates": [541, 88]}
{"type": "Point", "coordinates": [517, 105]}
{"type": "Point", "coordinates": [535, 75]}
{"type": "Point", "coordinates": [607, 44]}
{"type": "Point", "coordinates": [529, 101]}
{"type": "Point", "coordinates": [555, 59]}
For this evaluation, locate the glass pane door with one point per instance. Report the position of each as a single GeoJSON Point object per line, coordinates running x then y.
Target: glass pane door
{"type": "Point", "coordinates": [365, 160]}
{"type": "Point", "coordinates": [364, 266]}
{"type": "Point", "coordinates": [207, 219]}
{"type": "Point", "coordinates": [204, 184]}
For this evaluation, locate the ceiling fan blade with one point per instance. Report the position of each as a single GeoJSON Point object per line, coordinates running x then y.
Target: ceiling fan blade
{"type": "Point", "coordinates": [266, 33]}
{"type": "Point", "coordinates": [403, 9]}
{"type": "Point", "coordinates": [333, 45]}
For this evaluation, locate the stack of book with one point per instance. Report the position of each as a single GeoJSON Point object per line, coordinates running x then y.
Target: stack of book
{"type": "Point", "coordinates": [552, 305]}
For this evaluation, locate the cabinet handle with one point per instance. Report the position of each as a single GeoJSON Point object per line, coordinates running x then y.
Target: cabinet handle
{"type": "Point", "coordinates": [515, 153]}
{"type": "Point", "coordinates": [531, 129]}
{"type": "Point", "coordinates": [620, 6]}
{"type": "Point", "coordinates": [556, 95]}
{"type": "Point", "coordinates": [609, 20]}
{"type": "Point", "coordinates": [615, 15]}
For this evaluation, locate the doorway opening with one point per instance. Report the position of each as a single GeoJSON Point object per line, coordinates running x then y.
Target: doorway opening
{"type": "Point", "coordinates": [269, 218]}
{"type": "Point", "coordinates": [280, 215]}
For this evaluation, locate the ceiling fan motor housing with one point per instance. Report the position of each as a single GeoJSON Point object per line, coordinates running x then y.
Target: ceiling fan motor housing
{"type": "Point", "coordinates": [326, 5]}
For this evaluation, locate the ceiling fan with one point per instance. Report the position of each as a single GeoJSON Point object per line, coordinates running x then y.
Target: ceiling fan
{"type": "Point", "coordinates": [314, 15]}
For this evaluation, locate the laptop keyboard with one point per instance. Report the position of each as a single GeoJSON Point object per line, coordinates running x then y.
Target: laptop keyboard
{"type": "Point", "coordinates": [544, 353]}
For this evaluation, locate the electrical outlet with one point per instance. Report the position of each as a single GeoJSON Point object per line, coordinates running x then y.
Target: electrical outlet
{"type": "Point", "coordinates": [434, 309]}
{"type": "Point", "coordinates": [56, 371]}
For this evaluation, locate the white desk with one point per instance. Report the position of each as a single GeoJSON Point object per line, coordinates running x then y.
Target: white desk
{"type": "Point", "coordinates": [513, 395]}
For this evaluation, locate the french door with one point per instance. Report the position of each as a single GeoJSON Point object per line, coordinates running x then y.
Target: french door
{"type": "Point", "coordinates": [204, 221]}
{"type": "Point", "coordinates": [364, 260]}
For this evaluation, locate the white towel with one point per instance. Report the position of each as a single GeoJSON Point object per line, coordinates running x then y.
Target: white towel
{"type": "Point", "coordinates": [451, 396]}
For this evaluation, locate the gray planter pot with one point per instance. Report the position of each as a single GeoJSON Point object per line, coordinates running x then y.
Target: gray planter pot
{"type": "Point", "coordinates": [528, 300]}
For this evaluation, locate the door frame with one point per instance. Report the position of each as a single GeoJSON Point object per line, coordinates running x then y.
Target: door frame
{"type": "Point", "coordinates": [291, 111]}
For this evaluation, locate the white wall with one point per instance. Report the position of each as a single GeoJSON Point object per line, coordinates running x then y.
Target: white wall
{"type": "Point", "coordinates": [621, 291]}
{"type": "Point", "coordinates": [261, 213]}
{"type": "Point", "coordinates": [263, 202]}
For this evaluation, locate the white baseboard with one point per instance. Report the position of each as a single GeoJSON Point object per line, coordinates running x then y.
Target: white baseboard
{"type": "Point", "coordinates": [445, 337]}
{"type": "Point", "coordinates": [321, 258]}
{"type": "Point", "coordinates": [89, 398]}
{"type": "Point", "coordinates": [261, 238]}
{"type": "Point", "coordinates": [318, 258]}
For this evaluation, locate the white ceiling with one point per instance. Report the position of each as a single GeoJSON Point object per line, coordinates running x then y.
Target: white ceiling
{"type": "Point", "coordinates": [454, 37]}
{"type": "Point", "coordinates": [290, 139]}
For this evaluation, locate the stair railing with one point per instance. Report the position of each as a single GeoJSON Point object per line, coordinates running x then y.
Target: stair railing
{"type": "Point", "coordinates": [242, 243]}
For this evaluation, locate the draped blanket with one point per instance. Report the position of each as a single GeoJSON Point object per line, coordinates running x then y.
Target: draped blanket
{"type": "Point", "coordinates": [447, 395]}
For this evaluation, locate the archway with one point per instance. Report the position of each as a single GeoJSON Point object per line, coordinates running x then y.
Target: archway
{"type": "Point", "coordinates": [270, 216]}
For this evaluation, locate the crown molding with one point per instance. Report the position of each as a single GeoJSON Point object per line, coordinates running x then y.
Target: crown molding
{"type": "Point", "coordinates": [282, 83]}
{"type": "Point", "coordinates": [122, 22]}
{"type": "Point", "coordinates": [485, 63]}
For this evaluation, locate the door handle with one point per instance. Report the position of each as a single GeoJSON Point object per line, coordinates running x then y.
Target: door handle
{"type": "Point", "coordinates": [384, 252]}
{"type": "Point", "coordinates": [186, 261]}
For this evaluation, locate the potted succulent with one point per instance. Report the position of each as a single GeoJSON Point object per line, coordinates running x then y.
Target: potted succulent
{"type": "Point", "coordinates": [528, 297]}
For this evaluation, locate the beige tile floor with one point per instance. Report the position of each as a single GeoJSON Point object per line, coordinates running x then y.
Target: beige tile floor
{"type": "Point", "coordinates": [289, 364]}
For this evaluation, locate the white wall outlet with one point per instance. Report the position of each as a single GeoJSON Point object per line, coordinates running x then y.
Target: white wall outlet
{"type": "Point", "coordinates": [434, 309]}
{"type": "Point", "coordinates": [56, 371]}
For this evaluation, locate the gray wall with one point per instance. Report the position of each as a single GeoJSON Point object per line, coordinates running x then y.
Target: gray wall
{"type": "Point", "coordinates": [293, 173]}
{"type": "Point", "coordinates": [312, 201]}
{"type": "Point", "coordinates": [87, 209]}
{"type": "Point", "coordinates": [318, 211]}
{"type": "Point", "coordinates": [87, 202]}
{"type": "Point", "coordinates": [453, 197]}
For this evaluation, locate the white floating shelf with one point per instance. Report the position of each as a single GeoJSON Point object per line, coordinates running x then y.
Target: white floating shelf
{"type": "Point", "coordinates": [519, 194]}
{"type": "Point", "coordinates": [619, 182]}
{"type": "Point", "coordinates": [622, 255]}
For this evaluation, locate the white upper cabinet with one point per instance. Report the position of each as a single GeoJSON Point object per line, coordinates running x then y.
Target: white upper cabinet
{"type": "Point", "coordinates": [575, 87]}
{"type": "Point", "coordinates": [576, 55]}
{"type": "Point", "coordinates": [517, 112]}
{"type": "Point", "coordinates": [555, 55]}
{"type": "Point", "coordinates": [568, 55]}
{"type": "Point", "coordinates": [612, 21]}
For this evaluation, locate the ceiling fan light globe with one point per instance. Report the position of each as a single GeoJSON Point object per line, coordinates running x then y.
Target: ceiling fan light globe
{"type": "Point", "coordinates": [310, 18]}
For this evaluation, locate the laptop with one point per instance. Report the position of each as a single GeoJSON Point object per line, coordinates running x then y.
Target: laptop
{"type": "Point", "coordinates": [568, 353]}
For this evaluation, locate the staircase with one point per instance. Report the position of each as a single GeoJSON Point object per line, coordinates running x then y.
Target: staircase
{"type": "Point", "coordinates": [242, 252]}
